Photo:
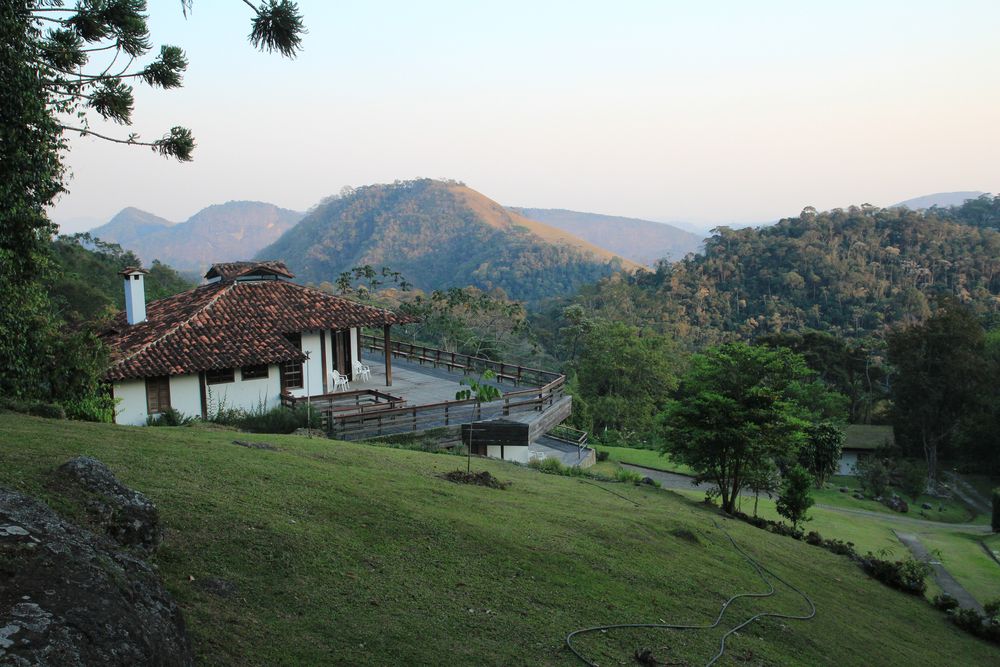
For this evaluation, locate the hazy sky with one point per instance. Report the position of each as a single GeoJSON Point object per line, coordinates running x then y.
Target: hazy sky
{"type": "Point", "coordinates": [709, 112]}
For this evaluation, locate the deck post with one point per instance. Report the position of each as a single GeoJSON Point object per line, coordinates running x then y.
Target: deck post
{"type": "Point", "coordinates": [388, 356]}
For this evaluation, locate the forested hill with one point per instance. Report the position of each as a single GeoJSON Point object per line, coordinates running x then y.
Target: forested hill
{"type": "Point", "coordinates": [219, 233]}
{"type": "Point", "coordinates": [642, 241]}
{"type": "Point", "coordinates": [851, 272]}
{"type": "Point", "coordinates": [440, 234]}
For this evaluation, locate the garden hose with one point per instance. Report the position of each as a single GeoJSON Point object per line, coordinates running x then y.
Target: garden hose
{"type": "Point", "coordinates": [760, 569]}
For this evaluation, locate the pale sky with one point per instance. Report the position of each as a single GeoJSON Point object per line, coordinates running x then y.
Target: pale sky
{"type": "Point", "coordinates": [707, 112]}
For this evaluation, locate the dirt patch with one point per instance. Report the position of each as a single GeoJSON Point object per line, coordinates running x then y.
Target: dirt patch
{"type": "Point", "coordinates": [483, 478]}
{"type": "Point", "coordinates": [686, 535]}
{"type": "Point", "coordinates": [256, 445]}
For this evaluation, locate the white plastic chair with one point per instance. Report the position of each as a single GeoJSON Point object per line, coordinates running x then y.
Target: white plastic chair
{"type": "Point", "coordinates": [339, 381]}
{"type": "Point", "coordinates": [361, 371]}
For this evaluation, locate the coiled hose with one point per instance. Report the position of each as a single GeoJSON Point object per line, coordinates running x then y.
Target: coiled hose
{"type": "Point", "coordinates": [762, 572]}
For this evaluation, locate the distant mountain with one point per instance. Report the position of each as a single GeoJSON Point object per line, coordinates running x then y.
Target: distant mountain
{"type": "Point", "coordinates": [642, 241]}
{"type": "Point", "coordinates": [220, 233]}
{"type": "Point", "coordinates": [441, 234]}
{"type": "Point", "coordinates": [941, 199]}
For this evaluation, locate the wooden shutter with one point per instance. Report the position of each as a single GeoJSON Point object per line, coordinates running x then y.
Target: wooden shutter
{"type": "Point", "coordinates": [157, 394]}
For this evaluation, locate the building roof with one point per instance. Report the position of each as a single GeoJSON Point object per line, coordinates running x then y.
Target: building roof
{"type": "Point", "coordinates": [229, 323]}
{"type": "Point", "coordinates": [234, 270]}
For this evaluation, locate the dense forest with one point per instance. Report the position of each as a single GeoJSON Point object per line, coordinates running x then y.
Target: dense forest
{"type": "Point", "coordinates": [439, 235]}
{"type": "Point", "coordinates": [850, 272]}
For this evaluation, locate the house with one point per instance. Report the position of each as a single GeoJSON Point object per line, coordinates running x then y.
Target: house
{"type": "Point", "coordinates": [245, 338]}
{"type": "Point", "coordinates": [862, 441]}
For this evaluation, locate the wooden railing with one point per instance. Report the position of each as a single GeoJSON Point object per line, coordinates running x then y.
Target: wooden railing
{"type": "Point", "coordinates": [360, 401]}
{"type": "Point", "coordinates": [571, 435]}
{"type": "Point", "coordinates": [386, 418]}
{"type": "Point", "coordinates": [456, 361]}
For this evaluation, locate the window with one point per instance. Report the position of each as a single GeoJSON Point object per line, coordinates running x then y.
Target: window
{"type": "Point", "coordinates": [291, 371]}
{"type": "Point", "coordinates": [220, 376]}
{"type": "Point", "coordinates": [157, 394]}
{"type": "Point", "coordinates": [254, 372]}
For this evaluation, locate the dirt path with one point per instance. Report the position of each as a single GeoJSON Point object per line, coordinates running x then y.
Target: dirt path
{"type": "Point", "coordinates": [968, 494]}
{"type": "Point", "coordinates": [944, 579]}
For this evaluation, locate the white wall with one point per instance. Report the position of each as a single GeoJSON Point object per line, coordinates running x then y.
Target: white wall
{"type": "Point", "coordinates": [244, 394]}
{"type": "Point", "coordinates": [516, 453]}
{"type": "Point", "coordinates": [847, 462]}
{"type": "Point", "coordinates": [131, 407]}
{"type": "Point", "coordinates": [185, 394]}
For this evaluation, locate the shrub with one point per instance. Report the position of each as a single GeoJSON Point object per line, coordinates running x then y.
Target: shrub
{"type": "Point", "coordinates": [945, 602]}
{"type": "Point", "coordinates": [992, 609]}
{"type": "Point", "coordinates": [623, 475]}
{"type": "Point", "coordinates": [169, 417]}
{"type": "Point", "coordinates": [814, 538]}
{"type": "Point", "coordinates": [912, 478]}
{"type": "Point", "coordinates": [907, 575]}
{"type": "Point", "coordinates": [602, 455]}
{"type": "Point", "coordinates": [93, 408]}
{"type": "Point", "coordinates": [873, 474]}
{"type": "Point", "coordinates": [47, 410]}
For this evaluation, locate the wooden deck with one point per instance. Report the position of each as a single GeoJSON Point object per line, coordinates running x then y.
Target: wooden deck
{"type": "Point", "coordinates": [422, 394]}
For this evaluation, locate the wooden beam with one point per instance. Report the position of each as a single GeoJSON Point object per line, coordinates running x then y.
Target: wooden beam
{"type": "Point", "coordinates": [204, 394]}
{"type": "Point", "coordinates": [388, 355]}
{"type": "Point", "coordinates": [322, 355]}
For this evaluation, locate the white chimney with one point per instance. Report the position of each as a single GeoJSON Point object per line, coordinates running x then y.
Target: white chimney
{"type": "Point", "coordinates": [135, 294]}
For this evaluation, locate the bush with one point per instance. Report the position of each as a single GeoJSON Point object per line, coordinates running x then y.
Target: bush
{"type": "Point", "coordinates": [169, 417]}
{"type": "Point", "coordinates": [35, 408]}
{"type": "Point", "coordinates": [873, 475]}
{"type": "Point", "coordinates": [912, 478]}
{"type": "Point", "coordinates": [907, 575]}
{"type": "Point", "coordinates": [623, 475]}
{"type": "Point", "coordinates": [602, 455]}
{"type": "Point", "coordinates": [795, 500]}
{"type": "Point", "coordinates": [93, 408]}
{"type": "Point", "coordinates": [945, 602]}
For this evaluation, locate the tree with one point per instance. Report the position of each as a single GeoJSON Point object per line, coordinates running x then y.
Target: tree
{"type": "Point", "coordinates": [939, 378]}
{"type": "Point", "coordinates": [820, 455]}
{"type": "Point", "coordinates": [912, 478]}
{"type": "Point", "coordinates": [625, 376]}
{"type": "Point", "coordinates": [51, 77]}
{"type": "Point", "coordinates": [873, 474]}
{"type": "Point", "coordinates": [795, 501]}
{"type": "Point", "coordinates": [733, 410]}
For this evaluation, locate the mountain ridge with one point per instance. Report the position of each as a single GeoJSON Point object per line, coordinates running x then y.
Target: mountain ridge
{"type": "Point", "coordinates": [441, 234]}
{"type": "Point", "coordinates": [643, 241]}
{"type": "Point", "coordinates": [225, 232]}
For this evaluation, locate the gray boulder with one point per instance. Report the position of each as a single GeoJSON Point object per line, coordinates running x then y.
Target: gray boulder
{"type": "Point", "coordinates": [71, 598]}
{"type": "Point", "coordinates": [127, 516]}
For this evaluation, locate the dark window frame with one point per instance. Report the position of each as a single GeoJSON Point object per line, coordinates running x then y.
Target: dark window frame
{"type": "Point", "coordinates": [157, 394]}
{"type": "Point", "coordinates": [220, 376]}
{"type": "Point", "coordinates": [255, 372]}
{"type": "Point", "coordinates": [292, 376]}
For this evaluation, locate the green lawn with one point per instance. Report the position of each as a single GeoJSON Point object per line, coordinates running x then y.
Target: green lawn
{"type": "Point", "coordinates": [351, 554]}
{"type": "Point", "coordinates": [945, 510]}
{"type": "Point", "coordinates": [960, 551]}
{"type": "Point", "coordinates": [646, 458]}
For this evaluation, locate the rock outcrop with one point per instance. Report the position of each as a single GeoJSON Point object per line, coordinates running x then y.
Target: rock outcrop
{"type": "Point", "coordinates": [126, 516]}
{"type": "Point", "coordinates": [72, 598]}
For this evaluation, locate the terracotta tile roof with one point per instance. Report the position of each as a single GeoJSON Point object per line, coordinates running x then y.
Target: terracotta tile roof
{"type": "Point", "coordinates": [228, 324]}
{"type": "Point", "coordinates": [234, 270]}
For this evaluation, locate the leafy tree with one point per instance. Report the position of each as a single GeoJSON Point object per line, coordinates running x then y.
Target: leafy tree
{"type": "Point", "coordinates": [733, 410]}
{"type": "Point", "coordinates": [820, 454]}
{"type": "Point", "coordinates": [625, 376]}
{"type": "Point", "coordinates": [58, 66]}
{"type": "Point", "coordinates": [912, 478]}
{"type": "Point", "coordinates": [873, 474]}
{"type": "Point", "coordinates": [795, 499]}
{"type": "Point", "coordinates": [479, 389]}
{"type": "Point", "coordinates": [939, 378]}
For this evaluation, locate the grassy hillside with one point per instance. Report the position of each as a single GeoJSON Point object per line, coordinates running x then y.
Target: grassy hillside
{"type": "Point", "coordinates": [440, 234]}
{"type": "Point", "coordinates": [351, 554]}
